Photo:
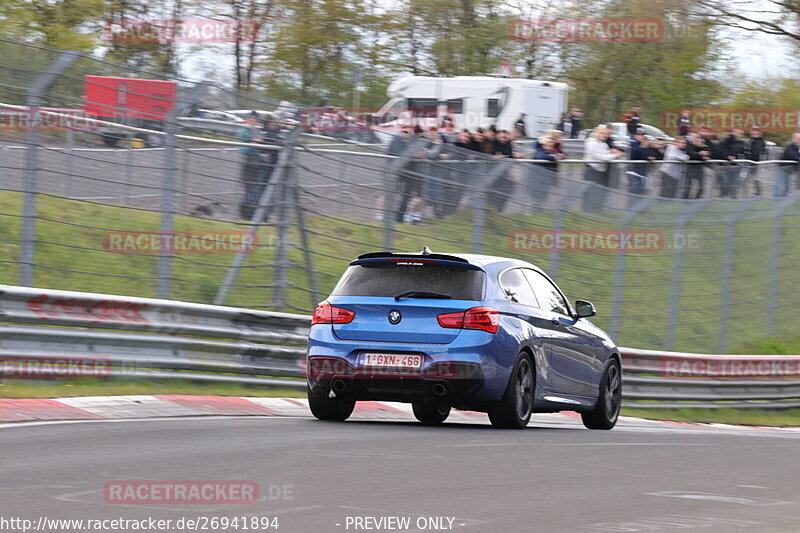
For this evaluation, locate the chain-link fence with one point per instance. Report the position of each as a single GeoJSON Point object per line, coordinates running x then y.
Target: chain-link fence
{"type": "Point", "coordinates": [173, 205]}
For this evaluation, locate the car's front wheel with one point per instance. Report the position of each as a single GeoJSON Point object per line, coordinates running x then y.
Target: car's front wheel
{"type": "Point", "coordinates": [325, 408]}
{"type": "Point", "coordinates": [514, 410]}
{"type": "Point", "coordinates": [431, 413]}
{"type": "Point", "coordinates": [606, 411]}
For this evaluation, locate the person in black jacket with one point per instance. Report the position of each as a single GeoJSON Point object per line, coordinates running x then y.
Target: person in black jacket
{"type": "Point", "coordinates": [575, 117]}
{"type": "Point", "coordinates": [791, 152]}
{"type": "Point", "coordinates": [643, 151]}
{"type": "Point", "coordinates": [731, 148]}
{"type": "Point", "coordinates": [755, 149]}
{"type": "Point", "coordinates": [698, 150]}
{"type": "Point", "coordinates": [632, 121]}
{"type": "Point", "coordinates": [519, 125]}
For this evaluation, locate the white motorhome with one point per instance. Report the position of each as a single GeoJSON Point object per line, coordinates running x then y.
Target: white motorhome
{"type": "Point", "coordinates": [473, 102]}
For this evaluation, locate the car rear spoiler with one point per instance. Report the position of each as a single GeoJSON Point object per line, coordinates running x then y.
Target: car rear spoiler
{"type": "Point", "coordinates": [453, 260]}
{"type": "Point", "coordinates": [422, 255]}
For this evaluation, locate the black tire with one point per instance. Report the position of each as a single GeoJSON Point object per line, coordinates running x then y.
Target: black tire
{"type": "Point", "coordinates": [431, 414]}
{"type": "Point", "coordinates": [606, 411]}
{"type": "Point", "coordinates": [514, 410]}
{"type": "Point", "coordinates": [325, 408]}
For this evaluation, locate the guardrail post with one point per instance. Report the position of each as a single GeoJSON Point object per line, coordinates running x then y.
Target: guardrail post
{"type": "Point", "coordinates": [168, 185]}
{"type": "Point", "coordinates": [483, 184]}
{"type": "Point", "coordinates": [304, 242]}
{"type": "Point", "coordinates": [619, 274]}
{"type": "Point", "coordinates": [558, 225]}
{"type": "Point", "coordinates": [391, 189]}
{"type": "Point", "coordinates": [772, 297]}
{"type": "Point", "coordinates": [677, 271]}
{"type": "Point", "coordinates": [282, 251]}
{"type": "Point", "coordinates": [34, 101]}
{"type": "Point", "coordinates": [727, 273]}
{"type": "Point", "coordinates": [285, 159]}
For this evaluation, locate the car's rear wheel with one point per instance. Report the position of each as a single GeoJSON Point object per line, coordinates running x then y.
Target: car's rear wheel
{"type": "Point", "coordinates": [431, 413]}
{"type": "Point", "coordinates": [606, 411]}
{"type": "Point", "coordinates": [325, 408]}
{"type": "Point", "coordinates": [514, 410]}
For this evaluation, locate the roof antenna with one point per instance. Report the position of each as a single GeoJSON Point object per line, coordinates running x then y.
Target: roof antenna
{"type": "Point", "coordinates": [426, 251]}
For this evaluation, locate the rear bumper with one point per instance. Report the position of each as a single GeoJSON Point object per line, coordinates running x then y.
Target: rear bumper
{"type": "Point", "coordinates": [453, 382]}
{"type": "Point", "coordinates": [475, 368]}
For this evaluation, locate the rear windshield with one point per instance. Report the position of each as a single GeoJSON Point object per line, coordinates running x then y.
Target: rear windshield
{"type": "Point", "coordinates": [392, 279]}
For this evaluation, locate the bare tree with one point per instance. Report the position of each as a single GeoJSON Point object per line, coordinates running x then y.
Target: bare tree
{"type": "Point", "coordinates": [255, 20]}
{"type": "Point", "coordinates": [773, 17]}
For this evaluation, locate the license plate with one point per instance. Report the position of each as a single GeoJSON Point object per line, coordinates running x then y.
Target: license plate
{"type": "Point", "coordinates": [388, 360]}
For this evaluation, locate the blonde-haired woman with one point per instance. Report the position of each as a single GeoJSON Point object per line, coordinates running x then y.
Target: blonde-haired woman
{"type": "Point", "coordinates": [597, 153]}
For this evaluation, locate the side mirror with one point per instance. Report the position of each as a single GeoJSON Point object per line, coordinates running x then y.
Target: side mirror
{"type": "Point", "coordinates": [584, 309]}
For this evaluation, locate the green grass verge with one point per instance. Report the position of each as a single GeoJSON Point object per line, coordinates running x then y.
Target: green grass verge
{"type": "Point", "coordinates": [746, 417]}
{"type": "Point", "coordinates": [71, 256]}
{"type": "Point", "coordinates": [124, 387]}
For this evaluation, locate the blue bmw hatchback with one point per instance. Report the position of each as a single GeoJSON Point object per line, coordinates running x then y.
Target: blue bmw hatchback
{"type": "Point", "coordinates": [469, 332]}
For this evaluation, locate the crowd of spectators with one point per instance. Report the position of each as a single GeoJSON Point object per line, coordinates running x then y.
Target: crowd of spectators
{"type": "Point", "coordinates": [731, 159]}
{"type": "Point", "coordinates": [444, 142]}
{"type": "Point", "coordinates": [689, 166]}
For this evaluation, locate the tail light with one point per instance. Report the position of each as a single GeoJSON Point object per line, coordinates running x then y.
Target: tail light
{"type": "Point", "coordinates": [482, 318]}
{"type": "Point", "coordinates": [325, 313]}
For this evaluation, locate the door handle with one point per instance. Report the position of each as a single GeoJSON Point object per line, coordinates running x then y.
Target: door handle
{"type": "Point", "coordinates": [555, 321]}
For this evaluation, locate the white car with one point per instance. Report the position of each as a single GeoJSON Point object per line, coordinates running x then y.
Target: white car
{"type": "Point", "coordinates": [619, 133]}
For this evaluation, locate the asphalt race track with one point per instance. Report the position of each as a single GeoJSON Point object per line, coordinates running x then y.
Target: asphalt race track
{"type": "Point", "coordinates": [314, 475]}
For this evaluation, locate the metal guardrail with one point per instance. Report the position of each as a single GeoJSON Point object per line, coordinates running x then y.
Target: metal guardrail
{"type": "Point", "coordinates": [151, 338]}
{"type": "Point", "coordinates": [141, 337]}
{"type": "Point", "coordinates": [658, 379]}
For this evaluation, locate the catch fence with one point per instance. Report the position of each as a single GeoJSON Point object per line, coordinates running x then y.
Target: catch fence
{"type": "Point", "coordinates": [160, 214]}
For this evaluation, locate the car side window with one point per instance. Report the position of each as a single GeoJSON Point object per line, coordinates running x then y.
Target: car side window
{"type": "Point", "coordinates": [546, 293]}
{"type": "Point", "coordinates": [517, 289]}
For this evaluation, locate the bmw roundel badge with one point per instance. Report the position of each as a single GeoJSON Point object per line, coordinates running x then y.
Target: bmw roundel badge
{"type": "Point", "coordinates": [394, 316]}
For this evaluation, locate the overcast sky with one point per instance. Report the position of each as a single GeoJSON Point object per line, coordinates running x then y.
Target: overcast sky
{"type": "Point", "coordinates": [763, 55]}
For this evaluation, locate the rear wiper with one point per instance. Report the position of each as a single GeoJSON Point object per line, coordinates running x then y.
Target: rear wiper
{"type": "Point", "coordinates": [422, 294]}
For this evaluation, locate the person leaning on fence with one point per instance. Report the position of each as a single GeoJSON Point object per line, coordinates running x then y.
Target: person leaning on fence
{"type": "Point", "coordinates": [270, 135]}
{"type": "Point", "coordinates": [541, 177]}
{"type": "Point", "coordinates": [503, 187]}
{"type": "Point", "coordinates": [731, 148]}
{"type": "Point", "coordinates": [597, 149]}
{"type": "Point", "coordinates": [673, 167]}
{"type": "Point", "coordinates": [409, 185]}
{"type": "Point", "coordinates": [643, 150]}
{"type": "Point", "coordinates": [597, 153]}
{"type": "Point", "coordinates": [755, 149]}
{"type": "Point", "coordinates": [254, 167]}
{"type": "Point", "coordinates": [556, 136]}
{"type": "Point", "coordinates": [438, 185]}
{"type": "Point", "coordinates": [786, 171]}
{"type": "Point", "coordinates": [698, 150]}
